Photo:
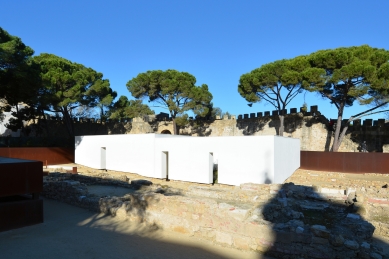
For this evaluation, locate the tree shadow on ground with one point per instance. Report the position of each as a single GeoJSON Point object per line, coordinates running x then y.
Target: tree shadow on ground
{"type": "Point", "coordinates": [306, 224]}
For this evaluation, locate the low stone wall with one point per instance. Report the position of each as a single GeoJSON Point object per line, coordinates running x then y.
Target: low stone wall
{"type": "Point", "coordinates": [283, 221]}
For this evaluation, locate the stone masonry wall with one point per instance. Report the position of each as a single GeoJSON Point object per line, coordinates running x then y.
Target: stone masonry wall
{"type": "Point", "coordinates": [310, 127]}
{"type": "Point", "coordinates": [283, 221]}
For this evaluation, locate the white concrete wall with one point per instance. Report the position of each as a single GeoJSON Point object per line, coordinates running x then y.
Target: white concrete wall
{"type": "Point", "coordinates": [287, 157]}
{"type": "Point", "coordinates": [131, 153]}
{"type": "Point", "coordinates": [189, 157]}
{"type": "Point", "coordinates": [88, 150]}
{"type": "Point", "coordinates": [255, 159]}
{"type": "Point", "coordinates": [246, 159]}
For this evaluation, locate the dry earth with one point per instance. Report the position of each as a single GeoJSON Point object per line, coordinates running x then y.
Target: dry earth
{"type": "Point", "coordinates": [300, 177]}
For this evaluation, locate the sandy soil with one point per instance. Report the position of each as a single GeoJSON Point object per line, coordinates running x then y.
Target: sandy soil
{"type": "Point", "coordinates": [71, 232]}
{"type": "Point", "coordinates": [164, 244]}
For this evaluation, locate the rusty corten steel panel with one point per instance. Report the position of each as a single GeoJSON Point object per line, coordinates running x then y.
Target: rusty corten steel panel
{"type": "Point", "coordinates": [51, 156]}
{"type": "Point", "coordinates": [18, 178]}
{"type": "Point", "coordinates": [346, 162]}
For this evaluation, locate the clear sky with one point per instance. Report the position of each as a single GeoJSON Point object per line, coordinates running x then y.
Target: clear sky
{"type": "Point", "coordinates": [216, 41]}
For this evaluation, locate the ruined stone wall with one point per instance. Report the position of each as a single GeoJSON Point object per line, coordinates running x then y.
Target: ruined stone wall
{"type": "Point", "coordinates": [282, 221]}
{"type": "Point", "coordinates": [310, 127]}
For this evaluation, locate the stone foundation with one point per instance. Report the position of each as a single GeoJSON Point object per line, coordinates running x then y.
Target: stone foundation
{"type": "Point", "coordinates": [283, 221]}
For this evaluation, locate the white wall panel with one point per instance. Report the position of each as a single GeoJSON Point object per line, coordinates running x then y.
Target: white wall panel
{"type": "Point", "coordinates": [287, 157]}
{"type": "Point", "coordinates": [255, 159]}
{"type": "Point", "coordinates": [245, 159]}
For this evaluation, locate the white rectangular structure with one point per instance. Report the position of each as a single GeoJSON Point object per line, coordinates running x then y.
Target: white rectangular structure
{"type": "Point", "coordinates": [246, 159]}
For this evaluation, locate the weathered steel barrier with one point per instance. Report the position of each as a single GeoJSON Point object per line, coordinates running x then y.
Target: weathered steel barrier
{"type": "Point", "coordinates": [20, 185]}
{"type": "Point", "coordinates": [345, 162]}
{"type": "Point", "coordinates": [48, 155]}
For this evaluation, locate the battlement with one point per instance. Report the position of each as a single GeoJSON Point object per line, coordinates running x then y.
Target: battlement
{"type": "Point", "coordinates": [313, 111]}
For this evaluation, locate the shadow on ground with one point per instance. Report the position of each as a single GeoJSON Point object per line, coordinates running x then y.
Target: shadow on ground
{"type": "Point", "coordinates": [308, 225]}
{"type": "Point", "coordinates": [71, 232]}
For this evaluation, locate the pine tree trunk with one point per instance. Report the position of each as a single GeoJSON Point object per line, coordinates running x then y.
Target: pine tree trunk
{"type": "Point", "coordinates": [336, 144]}
{"type": "Point", "coordinates": [281, 129]}
{"type": "Point", "coordinates": [68, 122]}
{"type": "Point", "coordinates": [175, 130]}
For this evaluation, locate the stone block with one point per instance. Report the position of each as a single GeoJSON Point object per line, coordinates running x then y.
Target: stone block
{"type": "Point", "coordinates": [350, 190]}
{"type": "Point", "coordinates": [225, 117]}
{"type": "Point", "coordinates": [252, 115]}
{"type": "Point", "coordinates": [238, 213]}
{"type": "Point", "coordinates": [217, 117]}
{"type": "Point", "coordinates": [303, 238]}
{"type": "Point", "coordinates": [351, 244]}
{"type": "Point", "coordinates": [367, 123]}
{"type": "Point", "coordinates": [233, 117]}
{"type": "Point", "coordinates": [239, 117]}
{"type": "Point", "coordinates": [267, 113]}
{"type": "Point", "coordinates": [245, 116]}
{"type": "Point", "coordinates": [320, 240]}
{"type": "Point", "coordinates": [259, 114]}
{"type": "Point", "coordinates": [285, 237]}
{"type": "Point", "coordinates": [331, 191]}
{"type": "Point", "coordinates": [353, 216]}
{"type": "Point", "coordinates": [320, 231]}
{"type": "Point", "coordinates": [263, 244]}
{"type": "Point", "coordinates": [299, 230]}
{"type": "Point", "coordinates": [251, 187]}
{"type": "Point", "coordinates": [314, 108]}
{"type": "Point", "coordinates": [242, 242]}
{"type": "Point", "coordinates": [293, 110]}
{"type": "Point", "coordinates": [274, 113]}
{"type": "Point", "coordinates": [223, 238]}
{"type": "Point", "coordinates": [365, 245]}
{"type": "Point", "coordinates": [375, 256]}
{"type": "Point", "coordinates": [357, 123]}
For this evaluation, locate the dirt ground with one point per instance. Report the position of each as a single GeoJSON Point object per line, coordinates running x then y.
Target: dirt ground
{"type": "Point", "coordinates": [300, 177]}
{"type": "Point", "coordinates": [72, 232]}
{"type": "Point", "coordinates": [88, 235]}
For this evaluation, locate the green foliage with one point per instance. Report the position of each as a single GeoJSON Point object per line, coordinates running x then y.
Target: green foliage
{"type": "Point", "coordinates": [216, 111]}
{"type": "Point", "coordinates": [182, 120]}
{"type": "Point", "coordinates": [13, 52]}
{"type": "Point", "coordinates": [346, 75]}
{"type": "Point", "coordinates": [126, 109]}
{"type": "Point", "coordinates": [70, 85]}
{"type": "Point", "coordinates": [19, 79]}
{"type": "Point", "coordinates": [276, 83]}
{"type": "Point", "coordinates": [349, 74]}
{"type": "Point", "coordinates": [173, 90]}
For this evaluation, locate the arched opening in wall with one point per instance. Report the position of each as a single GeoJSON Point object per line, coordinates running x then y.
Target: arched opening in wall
{"type": "Point", "coordinates": [166, 132]}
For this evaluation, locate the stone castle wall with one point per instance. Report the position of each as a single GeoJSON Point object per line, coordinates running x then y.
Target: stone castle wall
{"type": "Point", "coordinates": [311, 128]}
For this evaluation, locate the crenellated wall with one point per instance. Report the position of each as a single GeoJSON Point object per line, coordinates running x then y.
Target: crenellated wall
{"type": "Point", "coordinates": [310, 127]}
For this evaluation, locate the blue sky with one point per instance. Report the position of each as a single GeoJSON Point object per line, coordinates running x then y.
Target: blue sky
{"type": "Point", "coordinates": [216, 41]}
